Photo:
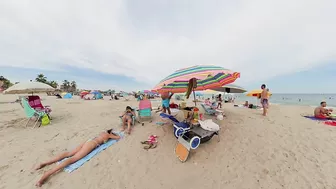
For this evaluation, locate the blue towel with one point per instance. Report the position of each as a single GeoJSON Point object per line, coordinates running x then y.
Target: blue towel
{"type": "Point", "coordinates": [80, 162]}
{"type": "Point", "coordinates": [172, 118]}
{"type": "Point", "coordinates": [314, 118]}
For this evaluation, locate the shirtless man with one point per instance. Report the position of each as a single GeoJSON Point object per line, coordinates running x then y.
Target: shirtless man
{"type": "Point", "coordinates": [166, 101]}
{"type": "Point", "coordinates": [322, 112]}
{"type": "Point", "coordinates": [264, 99]}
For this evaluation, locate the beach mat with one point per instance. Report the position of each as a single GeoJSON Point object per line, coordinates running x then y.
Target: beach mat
{"type": "Point", "coordinates": [314, 118]}
{"type": "Point", "coordinates": [330, 123]}
{"type": "Point", "coordinates": [77, 164]}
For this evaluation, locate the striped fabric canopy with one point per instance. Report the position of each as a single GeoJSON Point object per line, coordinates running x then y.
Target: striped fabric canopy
{"type": "Point", "coordinates": [257, 93]}
{"type": "Point", "coordinates": [198, 72]}
{"type": "Point", "coordinates": [210, 82]}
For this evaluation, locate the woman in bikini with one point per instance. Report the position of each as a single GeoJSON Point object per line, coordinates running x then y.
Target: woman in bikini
{"type": "Point", "coordinates": [75, 155]}
{"type": "Point", "coordinates": [127, 119]}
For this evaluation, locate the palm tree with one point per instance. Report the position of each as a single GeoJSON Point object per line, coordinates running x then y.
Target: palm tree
{"type": "Point", "coordinates": [73, 86]}
{"type": "Point", "coordinates": [65, 86]}
{"type": "Point", "coordinates": [5, 83]}
{"type": "Point", "coordinates": [41, 78]}
{"type": "Point", "coordinates": [53, 84]}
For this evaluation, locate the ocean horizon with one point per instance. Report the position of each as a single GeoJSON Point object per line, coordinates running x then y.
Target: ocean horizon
{"type": "Point", "coordinates": [302, 99]}
{"type": "Point", "coordinates": [295, 99]}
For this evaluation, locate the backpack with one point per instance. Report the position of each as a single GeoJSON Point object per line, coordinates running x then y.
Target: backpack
{"type": "Point", "coordinates": [45, 120]}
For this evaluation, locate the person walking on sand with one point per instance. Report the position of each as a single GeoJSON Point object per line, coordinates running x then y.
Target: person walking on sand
{"type": "Point", "coordinates": [264, 99]}
{"type": "Point", "coordinates": [75, 155]}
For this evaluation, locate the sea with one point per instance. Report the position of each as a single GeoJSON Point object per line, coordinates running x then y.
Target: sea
{"type": "Point", "coordinates": [294, 99]}
{"type": "Point", "coordinates": [286, 99]}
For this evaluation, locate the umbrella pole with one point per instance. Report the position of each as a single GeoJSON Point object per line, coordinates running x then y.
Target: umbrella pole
{"type": "Point", "coordinates": [194, 97]}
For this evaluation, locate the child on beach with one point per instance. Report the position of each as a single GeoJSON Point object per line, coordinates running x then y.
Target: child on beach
{"type": "Point", "coordinates": [127, 119]}
{"type": "Point", "coordinates": [75, 155]}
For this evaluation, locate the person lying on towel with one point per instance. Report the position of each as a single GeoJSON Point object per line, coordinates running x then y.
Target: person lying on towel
{"type": "Point", "coordinates": [322, 112]}
{"type": "Point", "coordinates": [78, 153]}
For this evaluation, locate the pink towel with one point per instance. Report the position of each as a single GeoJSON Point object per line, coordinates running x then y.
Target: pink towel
{"type": "Point", "coordinates": [145, 104]}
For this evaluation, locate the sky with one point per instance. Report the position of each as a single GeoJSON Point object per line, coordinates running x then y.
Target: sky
{"type": "Point", "coordinates": [132, 45]}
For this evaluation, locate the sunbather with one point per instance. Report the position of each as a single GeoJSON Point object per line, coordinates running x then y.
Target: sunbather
{"type": "Point", "coordinates": [210, 104]}
{"type": "Point", "coordinates": [207, 102]}
{"type": "Point", "coordinates": [322, 112]}
{"type": "Point", "coordinates": [127, 119]}
{"type": "Point", "coordinates": [75, 155]}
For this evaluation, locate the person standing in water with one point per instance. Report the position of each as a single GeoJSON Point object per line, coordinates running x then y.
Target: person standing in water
{"type": "Point", "coordinates": [264, 99]}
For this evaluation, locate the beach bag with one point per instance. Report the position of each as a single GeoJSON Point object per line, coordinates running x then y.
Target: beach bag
{"type": "Point", "coordinates": [209, 125]}
{"type": "Point", "coordinates": [45, 120]}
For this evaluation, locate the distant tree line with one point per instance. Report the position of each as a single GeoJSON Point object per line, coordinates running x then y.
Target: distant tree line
{"type": "Point", "coordinates": [65, 86]}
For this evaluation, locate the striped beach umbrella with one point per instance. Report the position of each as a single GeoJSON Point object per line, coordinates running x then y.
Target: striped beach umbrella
{"type": "Point", "coordinates": [257, 93]}
{"type": "Point", "coordinates": [211, 82]}
{"type": "Point", "coordinates": [198, 72]}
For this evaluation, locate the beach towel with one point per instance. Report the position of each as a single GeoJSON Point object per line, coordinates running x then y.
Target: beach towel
{"type": "Point", "coordinates": [77, 164]}
{"type": "Point", "coordinates": [314, 118]}
{"type": "Point", "coordinates": [330, 123]}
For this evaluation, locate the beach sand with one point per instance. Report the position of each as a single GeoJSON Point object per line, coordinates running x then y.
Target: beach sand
{"type": "Point", "coordinates": [283, 150]}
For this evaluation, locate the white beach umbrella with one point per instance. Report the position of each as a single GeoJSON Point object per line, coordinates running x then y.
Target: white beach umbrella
{"type": "Point", "coordinates": [230, 88]}
{"type": "Point", "coordinates": [29, 87]}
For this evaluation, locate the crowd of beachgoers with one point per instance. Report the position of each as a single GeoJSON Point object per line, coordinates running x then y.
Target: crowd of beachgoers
{"type": "Point", "coordinates": [257, 148]}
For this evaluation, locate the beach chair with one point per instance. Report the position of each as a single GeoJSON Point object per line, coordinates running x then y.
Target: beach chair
{"type": "Point", "coordinates": [210, 111]}
{"type": "Point", "coordinates": [126, 97]}
{"type": "Point", "coordinates": [145, 110]}
{"type": "Point", "coordinates": [31, 112]}
{"type": "Point", "coordinates": [35, 102]}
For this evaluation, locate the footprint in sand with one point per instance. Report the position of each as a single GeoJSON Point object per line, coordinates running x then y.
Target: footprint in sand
{"type": "Point", "coordinates": [5, 167]}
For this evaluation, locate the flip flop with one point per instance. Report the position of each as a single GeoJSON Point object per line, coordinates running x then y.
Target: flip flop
{"type": "Point", "coordinates": [147, 147]}
{"type": "Point", "coordinates": [154, 145]}
{"type": "Point", "coordinates": [144, 142]}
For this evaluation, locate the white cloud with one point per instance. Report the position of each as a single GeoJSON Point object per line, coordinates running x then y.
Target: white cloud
{"type": "Point", "coordinates": [148, 40]}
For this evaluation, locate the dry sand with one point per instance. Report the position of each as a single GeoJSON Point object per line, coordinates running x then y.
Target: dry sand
{"type": "Point", "coordinates": [282, 150]}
